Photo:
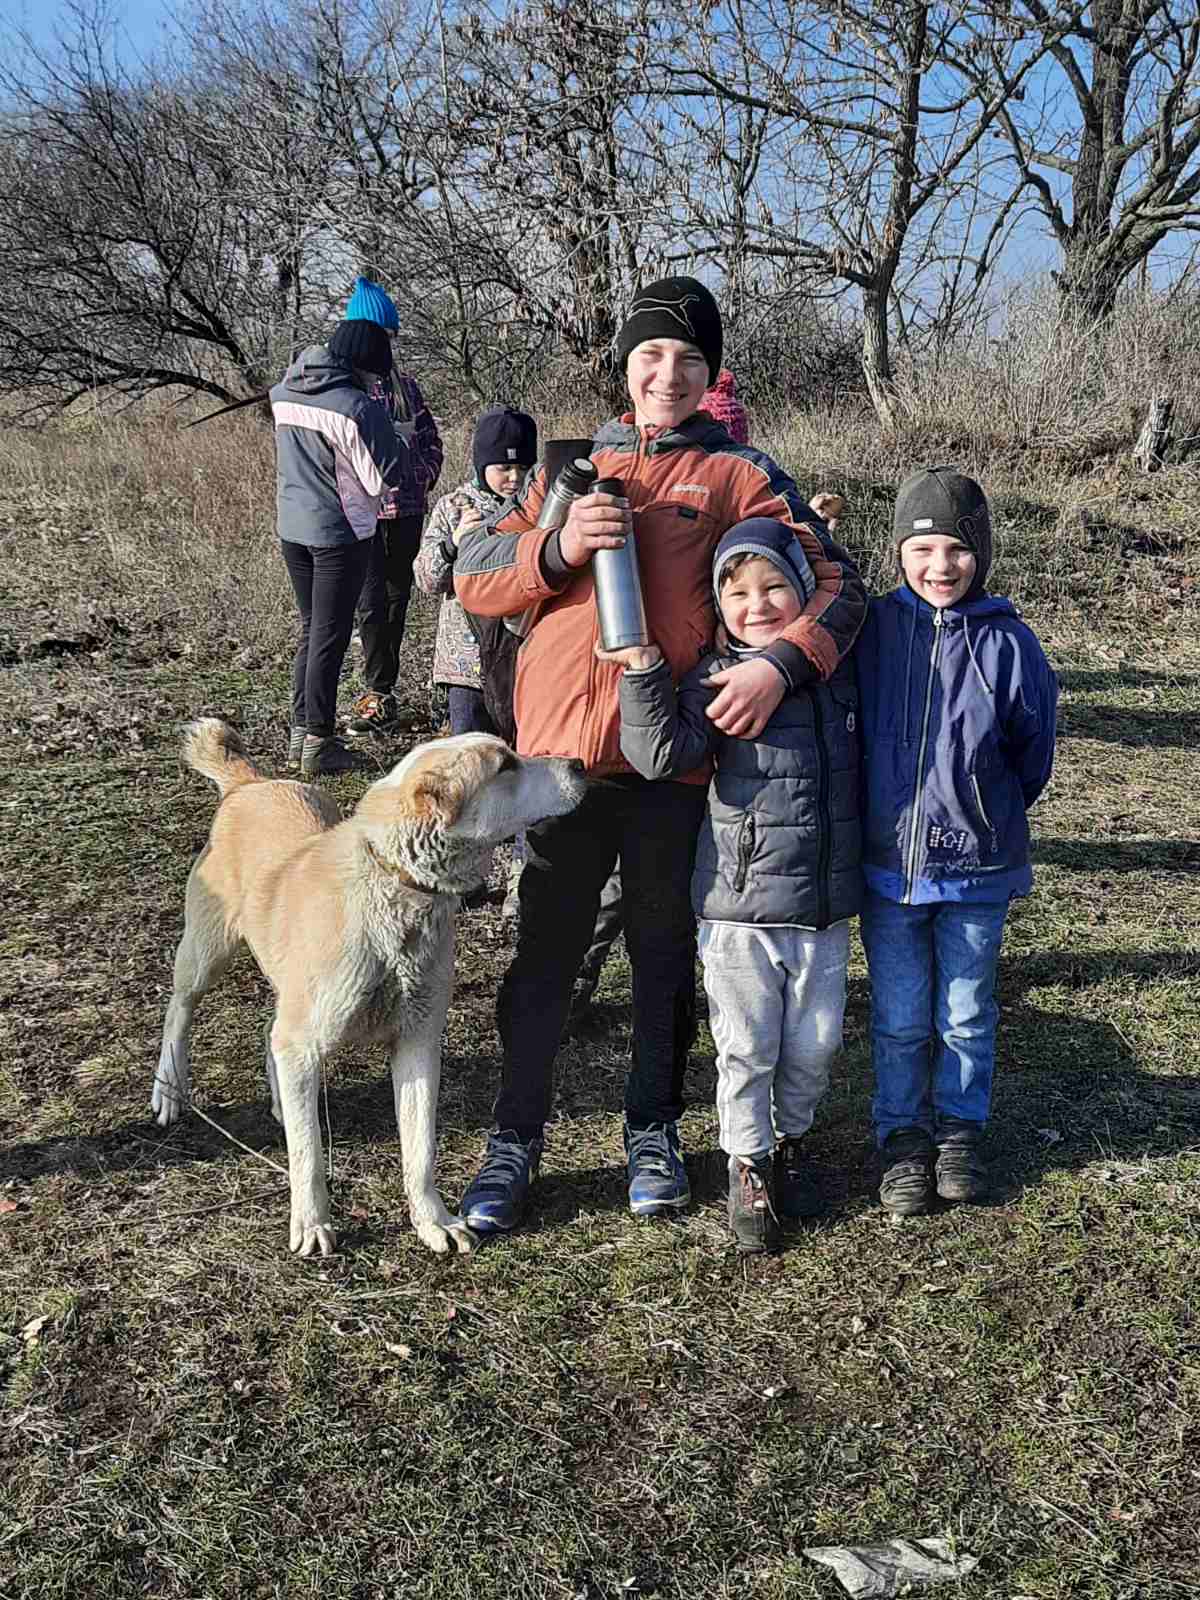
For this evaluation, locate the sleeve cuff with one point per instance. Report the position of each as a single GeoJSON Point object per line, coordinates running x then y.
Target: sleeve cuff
{"type": "Point", "coordinates": [790, 662]}
{"type": "Point", "coordinates": [555, 570]}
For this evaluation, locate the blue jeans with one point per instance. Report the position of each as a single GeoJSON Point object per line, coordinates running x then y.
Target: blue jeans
{"type": "Point", "coordinates": [933, 1010]}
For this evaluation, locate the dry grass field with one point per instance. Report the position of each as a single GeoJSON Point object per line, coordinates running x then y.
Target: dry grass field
{"type": "Point", "coordinates": [595, 1407]}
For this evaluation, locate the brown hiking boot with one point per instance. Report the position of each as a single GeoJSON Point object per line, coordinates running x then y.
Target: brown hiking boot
{"type": "Point", "coordinates": [374, 713]}
{"type": "Point", "coordinates": [752, 1218]}
{"type": "Point", "coordinates": [962, 1174]}
{"type": "Point", "coordinates": [907, 1184]}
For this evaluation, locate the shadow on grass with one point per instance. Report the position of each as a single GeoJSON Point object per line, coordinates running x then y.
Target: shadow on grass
{"type": "Point", "coordinates": [1132, 726]}
{"type": "Point", "coordinates": [1086, 680]}
{"type": "Point", "coordinates": [1069, 1093]}
{"type": "Point", "coordinates": [1109, 855]}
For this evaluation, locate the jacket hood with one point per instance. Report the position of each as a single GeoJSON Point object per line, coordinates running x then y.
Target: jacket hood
{"type": "Point", "coordinates": [983, 605]}
{"type": "Point", "coordinates": [699, 428]}
{"type": "Point", "coordinates": [315, 370]}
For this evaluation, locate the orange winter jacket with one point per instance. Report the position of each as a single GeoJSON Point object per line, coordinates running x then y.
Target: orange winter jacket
{"type": "Point", "coordinates": [686, 487]}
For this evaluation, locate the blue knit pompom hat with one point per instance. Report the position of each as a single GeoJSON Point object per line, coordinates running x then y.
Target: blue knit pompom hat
{"type": "Point", "coordinates": [774, 542]}
{"type": "Point", "coordinates": [370, 303]}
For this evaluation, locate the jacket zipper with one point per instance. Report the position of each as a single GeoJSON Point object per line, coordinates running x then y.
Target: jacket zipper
{"type": "Point", "coordinates": [982, 809]}
{"type": "Point", "coordinates": [914, 841]}
{"type": "Point", "coordinates": [824, 820]}
{"type": "Point", "coordinates": [745, 851]}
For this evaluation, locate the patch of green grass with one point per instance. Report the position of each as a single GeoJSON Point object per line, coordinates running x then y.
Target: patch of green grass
{"type": "Point", "coordinates": [594, 1407]}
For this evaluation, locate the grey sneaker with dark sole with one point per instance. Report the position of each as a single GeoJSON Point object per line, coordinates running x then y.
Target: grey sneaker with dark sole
{"type": "Point", "coordinates": [960, 1170]}
{"type": "Point", "coordinates": [906, 1186]}
{"type": "Point", "coordinates": [327, 757]}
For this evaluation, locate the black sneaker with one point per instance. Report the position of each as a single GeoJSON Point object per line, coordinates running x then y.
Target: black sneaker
{"type": "Point", "coordinates": [907, 1184]}
{"type": "Point", "coordinates": [961, 1172]}
{"type": "Point", "coordinates": [296, 740]}
{"type": "Point", "coordinates": [374, 713]}
{"type": "Point", "coordinates": [797, 1191]}
{"type": "Point", "coordinates": [752, 1218]}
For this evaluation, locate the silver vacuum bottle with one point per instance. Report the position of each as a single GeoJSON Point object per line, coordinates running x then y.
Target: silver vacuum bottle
{"type": "Point", "coordinates": [619, 587]}
{"type": "Point", "coordinates": [575, 479]}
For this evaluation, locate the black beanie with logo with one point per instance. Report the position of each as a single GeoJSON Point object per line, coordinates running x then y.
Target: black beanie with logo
{"type": "Point", "coordinates": [503, 438]}
{"type": "Point", "coordinates": [674, 308]}
{"type": "Point", "coordinates": [943, 500]}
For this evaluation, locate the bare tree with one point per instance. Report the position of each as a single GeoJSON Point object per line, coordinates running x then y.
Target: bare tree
{"type": "Point", "coordinates": [1112, 152]}
{"type": "Point", "coordinates": [880, 120]}
{"type": "Point", "coordinates": [132, 260]}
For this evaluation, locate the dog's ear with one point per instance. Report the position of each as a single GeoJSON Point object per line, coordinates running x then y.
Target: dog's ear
{"type": "Point", "coordinates": [433, 797]}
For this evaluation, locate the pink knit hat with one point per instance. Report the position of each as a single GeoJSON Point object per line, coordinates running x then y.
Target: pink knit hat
{"type": "Point", "coordinates": [724, 407]}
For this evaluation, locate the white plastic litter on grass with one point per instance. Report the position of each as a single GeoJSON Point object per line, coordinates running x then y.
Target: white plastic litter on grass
{"type": "Point", "coordinates": [867, 1571]}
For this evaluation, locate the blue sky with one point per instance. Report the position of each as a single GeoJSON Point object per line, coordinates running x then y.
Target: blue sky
{"type": "Point", "coordinates": [141, 21]}
{"type": "Point", "coordinates": [142, 25]}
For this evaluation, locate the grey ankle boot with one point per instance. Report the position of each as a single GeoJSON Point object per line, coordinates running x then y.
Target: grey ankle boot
{"type": "Point", "coordinates": [326, 757]}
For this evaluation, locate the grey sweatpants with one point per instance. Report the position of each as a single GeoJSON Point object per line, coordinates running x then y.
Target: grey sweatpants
{"type": "Point", "coordinates": [776, 998]}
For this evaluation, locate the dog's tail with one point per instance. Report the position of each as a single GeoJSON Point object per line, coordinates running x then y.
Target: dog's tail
{"type": "Point", "coordinates": [212, 748]}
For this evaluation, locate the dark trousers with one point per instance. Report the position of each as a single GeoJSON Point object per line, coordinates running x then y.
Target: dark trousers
{"type": "Point", "coordinates": [651, 828]}
{"type": "Point", "coordinates": [468, 714]}
{"type": "Point", "coordinates": [385, 596]}
{"type": "Point", "coordinates": [326, 580]}
{"type": "Point", "coordinates": [610, 919]}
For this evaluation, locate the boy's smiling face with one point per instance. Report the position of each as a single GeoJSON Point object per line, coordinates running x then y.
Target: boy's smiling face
{"type": "Point", "coordinates": [937, 567]}
{"type": "Point", "coordinates": [666, 379]}
{"type": "Point", "coordinates": [758, 602]}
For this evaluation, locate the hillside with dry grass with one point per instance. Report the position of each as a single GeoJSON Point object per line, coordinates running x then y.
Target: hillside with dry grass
{"type": "Point", "coordinates": [594, 1407]}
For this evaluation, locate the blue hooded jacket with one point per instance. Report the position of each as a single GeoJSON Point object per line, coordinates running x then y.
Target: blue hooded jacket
{"type": "Point", "coordinates": [958, 713]}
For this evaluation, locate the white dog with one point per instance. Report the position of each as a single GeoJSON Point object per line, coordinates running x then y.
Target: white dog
{"type": "Point", "coordinates": [352, 922]}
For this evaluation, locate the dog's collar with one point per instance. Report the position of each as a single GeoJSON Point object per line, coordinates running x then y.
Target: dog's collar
{"type": "Point", "coordinates": [405, 877]}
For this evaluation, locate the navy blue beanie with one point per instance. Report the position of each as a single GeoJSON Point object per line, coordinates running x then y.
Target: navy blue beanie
{"type": "Point", "coordinates": [773, 541]}
{"type": "Point", "coordinates": [505, 438]}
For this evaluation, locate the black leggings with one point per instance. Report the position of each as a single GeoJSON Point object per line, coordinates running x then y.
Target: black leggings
{"type": "Point", "coordinates": [383, 605]}
{"type": "Point", "coordinates": [327, 580]}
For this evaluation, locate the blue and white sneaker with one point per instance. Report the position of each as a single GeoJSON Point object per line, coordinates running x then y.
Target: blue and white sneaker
{"type": "Point", "coordinates": [658, 1180]}
{"type": "Point", "coordinates": [495, 1200]}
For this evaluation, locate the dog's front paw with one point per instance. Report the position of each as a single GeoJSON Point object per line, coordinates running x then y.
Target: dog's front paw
{"type": "Point", "coordinates": [171, 1089]}
{"type": "Point", "coordinates": [311, 1238]}
{"type": "Point", "coordinates": [445, 1233]}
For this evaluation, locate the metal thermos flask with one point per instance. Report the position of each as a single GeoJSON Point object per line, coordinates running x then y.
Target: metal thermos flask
{"type": "Point", "coordinates": [619, 587]}
{"type": "Point", "coordinates": [574, 479]}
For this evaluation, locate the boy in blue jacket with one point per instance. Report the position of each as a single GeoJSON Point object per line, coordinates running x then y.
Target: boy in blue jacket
{"type": "Point", "coordinates": [958, 707]}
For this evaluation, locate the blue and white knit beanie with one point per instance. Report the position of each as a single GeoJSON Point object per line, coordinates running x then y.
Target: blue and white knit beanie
{"type": "Point", "coordinates": [772, 541]}
{"type": "Point", "coordinates": [370, 303]}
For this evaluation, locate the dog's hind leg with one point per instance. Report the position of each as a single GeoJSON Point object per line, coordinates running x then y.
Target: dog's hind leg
{"type": "Point", "coordinates": [298, 1078]}
{"type": "Point", "coordinates": [272, 1072]}
{"type": "Point", "coordinates": [205, 951]}
{"type": "Point", "coordinates": [416, 1078]}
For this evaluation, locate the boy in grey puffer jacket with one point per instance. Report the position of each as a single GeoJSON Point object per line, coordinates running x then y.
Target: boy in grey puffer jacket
{"type": "Point", "coordinates": [777, 873]}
